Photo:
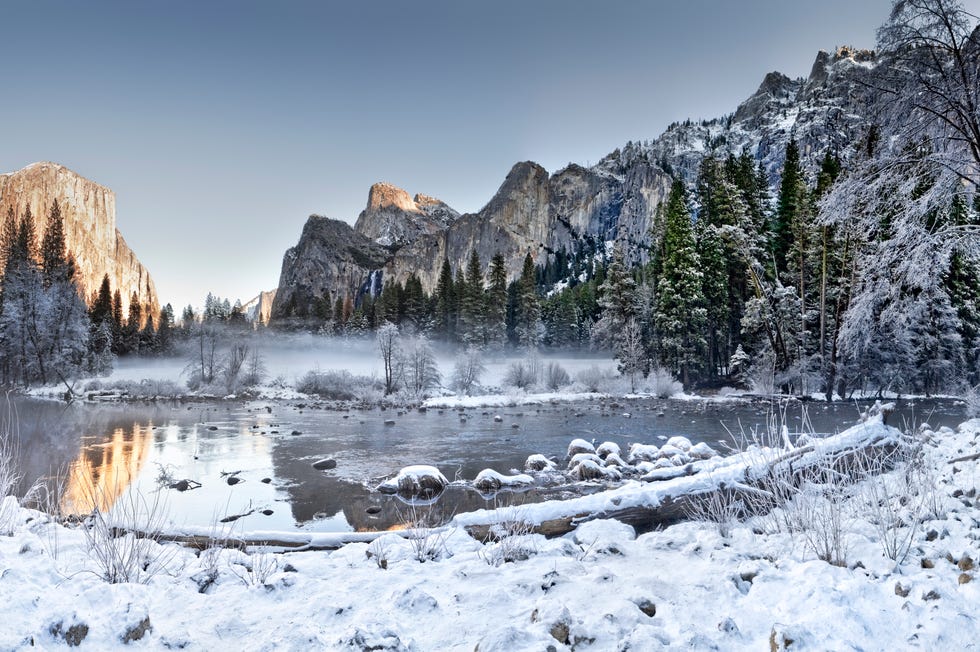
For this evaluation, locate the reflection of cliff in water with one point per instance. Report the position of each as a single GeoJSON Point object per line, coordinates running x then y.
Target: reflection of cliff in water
{"type": "Point", "coordinates": [103, 471]}
{"type": "Point", "coordinates": [71, 447]}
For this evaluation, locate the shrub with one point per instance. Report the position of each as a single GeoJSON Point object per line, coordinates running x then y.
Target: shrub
{"type": "Point", "coordinates": [594, 379]}
{"type": "Point", "coordinates": [339, 385]}
{"type": "Point", "coordinates": [555, 376]}
{"type": "Point", "coordinates": [467, 371]}
{"type": "Point", "coordinates": [662, 384]}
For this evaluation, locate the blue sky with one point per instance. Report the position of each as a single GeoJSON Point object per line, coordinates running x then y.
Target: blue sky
{"type": "Point", "coordinates": [222, 125]}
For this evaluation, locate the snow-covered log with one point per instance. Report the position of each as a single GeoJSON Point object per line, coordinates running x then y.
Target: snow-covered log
{"type": "Point", "coordinates": [648, 505]}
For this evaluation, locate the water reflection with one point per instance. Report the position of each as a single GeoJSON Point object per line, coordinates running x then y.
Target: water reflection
{"type": "Point", "coordinates": [109, 450]}
{"type": "Point", "coordinates": [104, 471]}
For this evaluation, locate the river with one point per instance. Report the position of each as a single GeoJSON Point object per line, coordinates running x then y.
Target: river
{"type": "Point", "coordinates": [107, 453]}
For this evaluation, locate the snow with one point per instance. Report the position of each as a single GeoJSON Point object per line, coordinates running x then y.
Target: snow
{"type": "Point", "coordinates": [602, 587]}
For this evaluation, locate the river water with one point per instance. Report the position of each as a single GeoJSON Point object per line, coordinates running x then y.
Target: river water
{"type": "Point", "coordinates": [107, 453]}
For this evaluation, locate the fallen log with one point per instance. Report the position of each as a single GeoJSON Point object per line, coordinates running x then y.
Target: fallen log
{"type": "Point", "coordinates": [867, 447]}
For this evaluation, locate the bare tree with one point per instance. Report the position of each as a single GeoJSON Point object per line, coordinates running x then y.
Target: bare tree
{"type": "Point", "coordinates": [631, 352]}
{"type": "Point", "coordinates": [417, 366]}
{"type": "Point", "coordinates": [468, 370]}
{"type": "Point", "coordinates": [388, 348]}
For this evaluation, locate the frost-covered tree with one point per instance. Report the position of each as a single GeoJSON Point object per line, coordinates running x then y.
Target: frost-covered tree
{"type": "Point", "coordinates": [467, 370]}
{"type": "Point", "coordinates": [680, 314]}
{"type": "Point", "coordinates": [631, 353]}
{"type": "Point", "coordinates": [44, 325]}
{"type": "Point", "coordinates": [417, 366]}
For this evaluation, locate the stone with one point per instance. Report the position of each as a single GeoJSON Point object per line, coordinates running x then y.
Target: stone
{"type": "Point", "coordinates": [901, 591]}
{"type": "Point", "coordinates": [647, 607]}
{"type": "Point", "coordinates": [927, 563]}
{"type": "Point", "coordinates": [965, 578]}
{"type": "Point", "coordinates": [325, 464]}
{"type": "Point", "coordinates": [931, 595]}
{"type": "Point", "coordinates": [559, 631]}
{"type": "Point", "coordinates": [137, 631]}
{"type": "Point", "coordinates": [965, 563]}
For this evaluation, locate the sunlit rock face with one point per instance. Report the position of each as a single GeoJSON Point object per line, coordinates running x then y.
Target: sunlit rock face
{"type": "Point", "coordinates": [258, 310]}
{"type": "Point", "coordinates": [614, 203]}
{"type": "Point", "coordinates": [91, 236]}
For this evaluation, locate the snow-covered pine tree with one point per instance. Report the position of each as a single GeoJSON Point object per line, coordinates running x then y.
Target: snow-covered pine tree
{"type": "Point", "coordinates": [680, 315]}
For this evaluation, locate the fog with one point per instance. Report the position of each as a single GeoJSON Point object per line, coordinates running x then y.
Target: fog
{"type": "Point", "coordinates": [289, 356]}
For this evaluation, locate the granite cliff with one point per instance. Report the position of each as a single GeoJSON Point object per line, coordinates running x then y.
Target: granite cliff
{"type": "Point", "coordinates": [91, 236]}
{"type": "Point", "coordinates": [614, 202]}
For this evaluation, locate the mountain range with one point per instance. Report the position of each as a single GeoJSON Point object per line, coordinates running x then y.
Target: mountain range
{"type": "Point", "coordinates": [613, 203]}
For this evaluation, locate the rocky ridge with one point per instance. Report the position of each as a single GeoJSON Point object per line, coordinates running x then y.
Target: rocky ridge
{"type": "Point", "coordinates": [91, 236]}
{"type": "Point", "coordinates": [613, 202]}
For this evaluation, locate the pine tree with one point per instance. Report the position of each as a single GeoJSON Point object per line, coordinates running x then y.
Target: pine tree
{"type": "Point", "coordinates": [788, 206]}
{"type": "Point", "coordinates": [56, 264]}
{"type": "Point", "coordinates": [446, 302]}
{"type": "Point", "coordinates": [680, 314]}
{"type": "Point", "coordinates": [496, 303]}
{"type": "Point", "coordinates": [471, 308]}
{"type": "Point", "coordinates": [165, 328]}
{"type": "Point", "coordinates": [528, 306]}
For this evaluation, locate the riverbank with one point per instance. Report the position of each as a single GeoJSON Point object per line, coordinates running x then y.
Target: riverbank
{"type": "Point", "coordinates": [600, 587]}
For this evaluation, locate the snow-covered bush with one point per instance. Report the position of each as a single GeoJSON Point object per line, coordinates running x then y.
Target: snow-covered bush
{"type": "Point", "coordinates": [467, 370]}
{"type": "Point", "coordinates": [523, 374]}
{"type": "Point", "coordinates": [662, 384]}
{"type": "Point", "coordinates": [594, 379]}
{"type": "Point", "coordinates": [145, 388]}
{"type": "Point", "coordinates": [555, 376]}
{"type": "Point", "coordinates": [256, 569]}
{"type": "Point", "coordinates": [122, 531]}
{"type": "Point", "coordinates": [335, 385]}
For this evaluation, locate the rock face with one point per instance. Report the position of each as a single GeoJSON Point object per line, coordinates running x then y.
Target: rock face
{"type": "Point", "coordinates": [91, 236]}
{"type": "Point", "coordinates": [258, 310]}
{"type": "Point", "coordinates": [392, 218]}
{"type": "Point", "coordinates": [331, 261]}
{"type": "Point", "coordinates": [613, 203]}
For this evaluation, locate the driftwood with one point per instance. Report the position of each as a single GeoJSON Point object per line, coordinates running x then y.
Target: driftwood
{"type": "Point", "coordinates": [300, 543]}
{"type": "Point", "coordinates": [966, 458]}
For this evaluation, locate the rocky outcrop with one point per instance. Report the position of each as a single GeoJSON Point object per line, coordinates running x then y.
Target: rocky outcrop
{"type": "Point", "coordinates": [615, 202]}
{"type": "Point", "coordinates": [91, 236]}
{"type": "Point", "coordinates": [331, 261]}
{"type": "Point", "coordinates": [393, 218]}
{"type": "Point", "coordinates": [258, 310]}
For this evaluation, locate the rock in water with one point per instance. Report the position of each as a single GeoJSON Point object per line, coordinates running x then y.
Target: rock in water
{"type": "Point", "coordinates": [418, 481]}
{"type": "Point", "coordinates": [325, 465]}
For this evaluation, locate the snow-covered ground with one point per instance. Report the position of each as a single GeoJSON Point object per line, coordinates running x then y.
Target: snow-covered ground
{"type": "Point", "coordinates": [598, 588]}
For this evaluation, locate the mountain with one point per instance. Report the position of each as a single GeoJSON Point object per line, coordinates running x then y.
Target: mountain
{"type": "Point", "coordinates": [613, 203]}
{"type": "Point", "coordinates": [91, 236]}
{"type": "Point", "coordinates": [259, 308]}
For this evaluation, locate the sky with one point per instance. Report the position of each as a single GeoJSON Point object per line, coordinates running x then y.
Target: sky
{"type": "Point", "coordinates": [221, 126]}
